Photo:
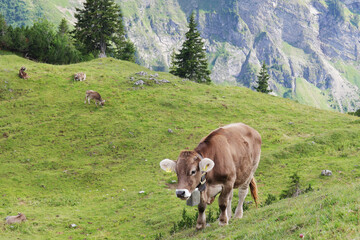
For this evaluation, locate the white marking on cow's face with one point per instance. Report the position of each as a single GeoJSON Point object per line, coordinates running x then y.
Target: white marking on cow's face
{"type": "Point", "coordinates": [182, 193]}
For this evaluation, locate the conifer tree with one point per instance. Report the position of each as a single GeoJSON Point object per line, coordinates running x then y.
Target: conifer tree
{"type": "Point", "coordinates": [100, 26]}
{"type": "Point", "coordinates": [263, 79]}
{"type": "Point", "coordinates": [3, 32]}
{"type": "Point", "coordinates": [191, 61]}
{"type": "Point", "coordinates": [63, 27]}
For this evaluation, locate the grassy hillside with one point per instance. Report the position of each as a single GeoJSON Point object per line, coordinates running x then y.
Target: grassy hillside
{"type": "Point", "coordinates": [64, 162]}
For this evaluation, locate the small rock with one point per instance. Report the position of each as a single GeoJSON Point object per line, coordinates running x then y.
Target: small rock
{"type": "Point", "coordinates": [132, 78]}
{"type": "Point", "coordinates": [73, 225]}
{"type": "Point", "coordinates": [142, 192]}
{"type": "Point", "coordinates": [291, 123]}
{"type": "Point", "coordinates": [142, 73]}
{"type": "Point", "coordinates": [326, 173]}
{"type": "Point", "coordinates": [139, 83]}
{"type": "Point", "coordinates": [154, 76]}
{"type": "Point", "coordinates": [170, 131]}
{"type": "Point", "coordinates": [173, 181]}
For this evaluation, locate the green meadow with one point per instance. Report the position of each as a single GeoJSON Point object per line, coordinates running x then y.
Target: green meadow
{"type": "Point", "coordinates": [64, 162]}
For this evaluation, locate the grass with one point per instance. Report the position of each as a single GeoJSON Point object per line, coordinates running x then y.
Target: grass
{"type": "Point", "coordinates": [64, 162]}
{"type": "Point", "coordinates": [308, 94]}
{"type": "Point", "coordinates": [348, 71]}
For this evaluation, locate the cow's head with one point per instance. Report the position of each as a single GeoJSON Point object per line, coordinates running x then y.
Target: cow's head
{"type": "Point", "coordinates": [102, 102]}
{"type": "Point", "coordinates": [189, 167]}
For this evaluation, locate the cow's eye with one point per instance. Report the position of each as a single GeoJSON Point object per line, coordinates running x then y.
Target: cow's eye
{"type": "Point", "coordinates": [193, 172]}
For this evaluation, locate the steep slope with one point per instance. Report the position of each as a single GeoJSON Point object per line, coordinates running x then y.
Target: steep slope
{"type": "Point", "coordinates": [64, 162]}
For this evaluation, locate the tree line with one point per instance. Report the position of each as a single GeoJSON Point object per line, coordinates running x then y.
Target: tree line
{"type": "Point", "coordinates": [99, 32]}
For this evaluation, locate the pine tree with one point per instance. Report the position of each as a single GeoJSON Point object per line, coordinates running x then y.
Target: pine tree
{"type": "Point", "coordinates": [263, 79]}
{"type": "Point", "coordinates": [124, 48]}
{"type": "Point", "coordinates": [100, 26]}
{"type": "Point", "coordinates": [3, 32]}
{"type": "Point", "coordinates": [191, 61]}
{"type": "Point", "coordinates": [63, 27]}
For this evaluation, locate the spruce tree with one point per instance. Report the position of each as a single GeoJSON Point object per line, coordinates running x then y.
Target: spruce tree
{"type": "Point", "coordinates": [63, 27]}
{"type": "Point", "coordinates": [263, 79]}
{"type": "Point", "coordinates": [3, 32]}
{"type": "Point", "coordinates": [191, 61]}
{"type": "Point", "coordinates": [100, 26]}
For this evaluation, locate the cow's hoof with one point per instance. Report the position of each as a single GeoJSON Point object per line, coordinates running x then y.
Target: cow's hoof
{"type": "Point", "coordinates": [200, 226]}
{"type": "Point", "coordinates": [238, 215]}
{"type": "Point", "coordinates": [223, 223]}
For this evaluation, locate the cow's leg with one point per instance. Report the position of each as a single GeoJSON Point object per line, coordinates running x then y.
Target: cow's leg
{"type": "Point", "coordinates": [243, 191]}
{"type": "Point", "coordinates": [85, 99]}
{"type": "Point", "coordinates": [89, 100]}
{"type": "Point", "coordinates": [228, 208]}
{"type": "Point", "coordinates": [223, 204]}
{"type": "Point", "coordinates": [201, 221]}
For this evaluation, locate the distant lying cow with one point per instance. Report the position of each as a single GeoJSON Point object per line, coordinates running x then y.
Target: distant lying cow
{"type": "Point", "coordinates": [225, 159]}
{"type": "Point", "coordinates": [15, 219]}
{"type": "Point", "coordinates": [90, 94]}
{"type": "Point", "coordinates": [80, 76]}
{"type": "Point", "coordinates": [22, 73]}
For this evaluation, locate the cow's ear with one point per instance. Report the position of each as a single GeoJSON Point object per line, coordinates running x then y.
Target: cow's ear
{"type": "Point", "coordinates": [206, 165]}
{"type": "Point", "coordinates": [168, 165]}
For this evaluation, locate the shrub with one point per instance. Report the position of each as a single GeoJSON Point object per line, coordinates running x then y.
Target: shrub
{"type": "Point", "coordinates": [270, 199]}
{"type": "Point", "coordinates": [293, 189]}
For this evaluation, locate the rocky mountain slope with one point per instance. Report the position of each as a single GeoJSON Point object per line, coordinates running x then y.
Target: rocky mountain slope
{"type": "Point", "coordinates": [311, 47]}
{"type": "Point", "coordinates": [312, 54]}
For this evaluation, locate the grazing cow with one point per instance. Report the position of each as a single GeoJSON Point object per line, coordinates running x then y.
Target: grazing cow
{"type": "Point", "coordinates": [22, 73]}
{"type": "Point", "coordinates": [90, 94]}
{"type": "Point", "coordinates": [15, 219]}
{"type": "Point", "coordinates": [80, 76]}
{"type": "Point", "coordinates": [225, 159]}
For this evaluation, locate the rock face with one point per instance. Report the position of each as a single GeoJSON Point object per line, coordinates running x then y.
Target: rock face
{"type": "Point", "coordinates": [310, 51]}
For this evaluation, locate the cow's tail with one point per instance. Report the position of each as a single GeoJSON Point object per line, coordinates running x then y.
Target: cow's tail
{"type": "Point", "coordinates": [253, 189]}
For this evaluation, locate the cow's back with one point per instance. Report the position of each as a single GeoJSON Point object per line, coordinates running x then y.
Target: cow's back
{"type": "Point", "coordinates": [235, 150]}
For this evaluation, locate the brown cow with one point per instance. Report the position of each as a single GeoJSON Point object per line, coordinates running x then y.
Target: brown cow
{"type": "Point", "coordinates": [22, 73]}
{"type": "Point", "coordinates": [90, 94]}
{"type": "Point", "coordinates": [15, 219]}
{"type": "Point", "coordinates": [80, 76]}
{"type": "Point", "coordinates": [225, 159]}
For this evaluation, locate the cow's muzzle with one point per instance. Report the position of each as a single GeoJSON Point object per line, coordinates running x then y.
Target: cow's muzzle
{"type": "Point", "coordinates": [183, 194]}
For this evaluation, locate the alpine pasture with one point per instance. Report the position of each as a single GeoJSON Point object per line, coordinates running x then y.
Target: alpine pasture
{"type": "Point", "coordinates": [63, 162]}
